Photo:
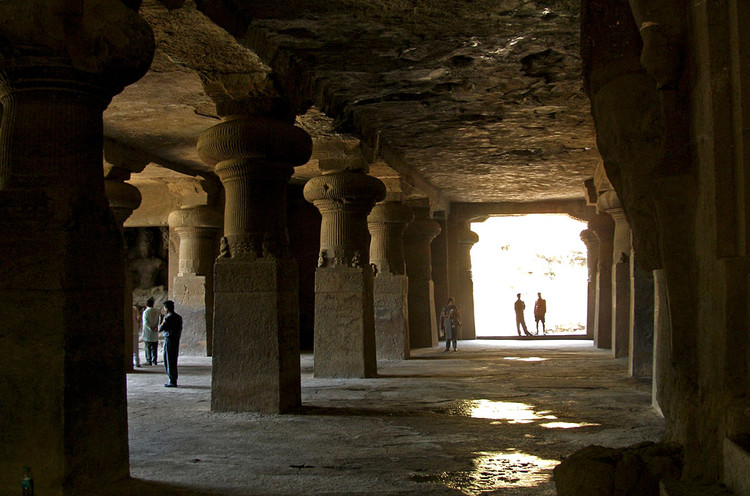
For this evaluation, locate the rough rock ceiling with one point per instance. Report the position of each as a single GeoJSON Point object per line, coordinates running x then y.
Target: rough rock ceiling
{"type": "Point", "coordinates": [470, 101]}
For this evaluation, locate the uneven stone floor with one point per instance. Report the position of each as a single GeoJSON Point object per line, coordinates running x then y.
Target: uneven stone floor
{"type": "Point", "coordinates": [492, 418]}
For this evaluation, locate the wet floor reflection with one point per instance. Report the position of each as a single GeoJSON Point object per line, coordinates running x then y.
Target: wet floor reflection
{"type": "Point", "coordinates": [527, 359]}
{"type": "Point", "coordinates": [567, 425]}
{"type": "Point", "coordinates": [513, 413]}
{"type": "Point", "coordinates": [493, 471]}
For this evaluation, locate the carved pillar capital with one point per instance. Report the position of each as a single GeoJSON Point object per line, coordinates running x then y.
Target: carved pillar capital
{"type": "Point", "coordinates": [197, 228]}
{"type": "Point", "coordinates": [123, 199]}
{"type": "Point", "coordinates": [387, 223]}
{"type": "Point", "coordinates": [254, 158]}
{"type": "Point", "coordinates": [344, 199]}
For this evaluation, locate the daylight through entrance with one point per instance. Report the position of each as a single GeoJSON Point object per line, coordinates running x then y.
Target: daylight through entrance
{"type": "Point", "coordinates": [529, 254]}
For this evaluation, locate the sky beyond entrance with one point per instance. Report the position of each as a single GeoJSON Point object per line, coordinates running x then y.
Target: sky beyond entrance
{"type": "Point", "coordinates": [529, 254]}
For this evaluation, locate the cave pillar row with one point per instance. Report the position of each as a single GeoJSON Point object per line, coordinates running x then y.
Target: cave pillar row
{"type": "Point", "coordinates": [255, 343]}
{"type": "Point", "coordinates": [604, 229]}
{"type": "Point", "coordinates": [63, 387]}
{"type": "Point", "coordinates": [423, 332]}
{"type": "Point", "coordinates": [192, 289]}
{"type": "Point", "coordinates": [609, 203]}
{"type": "Point", "coordinates": [387, 223]}
{"type": "Point", "coordinates": [123, 199]}
{"type": "Point", "coordinates": [344, 315]}
{"type": "Point", "coordinates": [465, 240]}
{"type": "Point", "coordinates": [592, 264]}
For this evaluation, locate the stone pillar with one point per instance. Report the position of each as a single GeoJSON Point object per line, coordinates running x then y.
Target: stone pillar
{"type": "Point", "coordinates": [192, 290]}
{"type": "Point", "coordinates": [641, 320]}
{"type": "Point", "coordinates": [422, 318]}
{"type": "Point", "coordinates": [63, 389]}
{"type": "Point", "coordinates": [439, 254]}
{"type": "Point", "coordinates": [592, 264]}
{"type": "Point", "coordinates": [465, 294]}
{"type": "Point", "coordinates": [344, 315]}
{"type": "Point", "coordinates": [662, 343]}
{"type": "Point", "coordinates": [256, 330]}
{"type": "Point", "coordinates": [603, 227]}
{"type": "Point", "coordinates": [387, 222]}
{"type": "Point", "coordinates": [609, 203]}
{"type": "Point", "coordinates": [123, 198]}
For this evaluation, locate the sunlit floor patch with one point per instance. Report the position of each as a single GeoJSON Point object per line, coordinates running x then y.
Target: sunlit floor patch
{"type": "Point", "coordinates": [567, 425]}
{"type": "Point", "coordinates": [514, 413]}
{"type": "Point", "coordinates": [495, 470]}
{"type": "Point", "coordinates": [527, 359]}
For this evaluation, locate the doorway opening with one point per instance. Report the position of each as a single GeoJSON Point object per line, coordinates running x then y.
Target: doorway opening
{"type": "Point", "coordinates": [529, 254]}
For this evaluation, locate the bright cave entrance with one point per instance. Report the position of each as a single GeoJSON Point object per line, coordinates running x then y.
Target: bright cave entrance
{"type": "Point", "coordinates": [529, 254]}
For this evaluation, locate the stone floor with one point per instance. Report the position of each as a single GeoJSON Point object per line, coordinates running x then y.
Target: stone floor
{"type": "Point", "coordinates": [492, 418]}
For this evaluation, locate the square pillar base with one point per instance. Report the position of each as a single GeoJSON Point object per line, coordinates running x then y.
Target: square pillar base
{"type": "Point", "coordinates": [190, 297]}
{"type": "Point", "coordinates": [391, 294]}
{"type": "Point", "coordinates": [256, 356]}
{"type": "Point", "coordinates": [344, 323]}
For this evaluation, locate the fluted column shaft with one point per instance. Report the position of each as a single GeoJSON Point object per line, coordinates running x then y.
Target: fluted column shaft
{"type": "Point", "coordinates": [387, 222]}
{"type": "Point", "coordinates": [418, 236]}
{"type": "Point", "coordinates": [592, 264]}
{"type": "Point", "coordinates": [255, 342]}
{"type": "Point", "coordinates": [344, 315]}
{"type": "Point", "coordinates": [67, 423]}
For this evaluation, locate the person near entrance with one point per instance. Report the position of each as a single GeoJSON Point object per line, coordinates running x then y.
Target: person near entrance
{"type": "Point", "coordinates": [540, 309]}
{"type": "Point", "coordinates": [450, 321]}
{"type": "Point", "coordinates": [519, 307]}
{"type": "Point", "coordinates": [171, 327]}
{"type": "Point", "coordinates": [150, 331]}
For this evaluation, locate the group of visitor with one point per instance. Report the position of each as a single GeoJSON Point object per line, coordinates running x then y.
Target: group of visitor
{"type": "Point", "coordinates": [170, 326]}
{"type": "Point", "coordinates": [450, 319]}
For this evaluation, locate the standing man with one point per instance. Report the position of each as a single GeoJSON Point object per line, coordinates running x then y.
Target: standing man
{"type": "Point", "coordinates": [450, 320]}
{"type": "Point", "coordinates": [540, 308]}
{"type": "Point", "coordinates": [519, 307]}
{"type": "Point", "coordinates": [150, 331]}
{"type": "Point", "coordinates": [172, 329]}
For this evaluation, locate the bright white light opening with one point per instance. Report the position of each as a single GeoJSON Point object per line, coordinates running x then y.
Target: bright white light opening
{"type": "Point", "coordinates": [529, 254]}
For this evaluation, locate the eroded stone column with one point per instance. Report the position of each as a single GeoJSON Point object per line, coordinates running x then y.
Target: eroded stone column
{"type": "Point", "coordinates": [465, 294]}
{"type": "Point", "coordinates": [641, 358]}
{"type": "Point", "coordinates": [123, 199]}
{"type": "Point", "coordinates": [387, 222]}
{"type": "Point", "coordinates": [592, 263]}
{"type": "Point", "coordinates": [256, 315]}
{"type": "Point", "coordinates": [609, 203]}
{"type": "Point", "coordinates": [418, 237]}
{"type": "Point", "coordinates": [344, 315]}
{"type": "Point", "coordinates": [192, 290]}
{"type": "Point", "coordinates": [63, 390]}
{"type": "Point", "coordinates": [603, 227]}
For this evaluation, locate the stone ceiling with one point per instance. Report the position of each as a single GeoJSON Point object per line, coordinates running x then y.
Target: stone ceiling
{"type": "Point", "coordinates": [469, 101]}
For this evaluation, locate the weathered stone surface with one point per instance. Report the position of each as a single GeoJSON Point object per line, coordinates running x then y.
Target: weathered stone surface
{"type": "Point", "coordinates": [344, 323]}
{"type": "Point", "coordinates": [256, 336]}
{"type": "Point", "coordinates": [633, 471]}
{"type": "Point", "coordinates": [390, 294]}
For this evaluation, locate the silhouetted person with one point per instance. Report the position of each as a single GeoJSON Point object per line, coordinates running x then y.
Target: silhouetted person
{"type": "Point", "coordinates": [450, 320]}
{"type": "Point", "coordinates": [150, 331]}
{"type": "Point", "coordinates": [519, 307]}
{"type": "Point", "coordinates": [540, 308]}
{"type": "Point", "coordinates": [171, 326]}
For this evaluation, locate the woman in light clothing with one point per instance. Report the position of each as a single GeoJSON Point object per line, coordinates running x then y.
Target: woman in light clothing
{"type": "Point", "coordinates": [150, 334]}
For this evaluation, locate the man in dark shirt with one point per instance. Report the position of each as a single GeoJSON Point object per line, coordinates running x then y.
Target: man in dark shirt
{"type": "Point", "coordinates": [171, 327]}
